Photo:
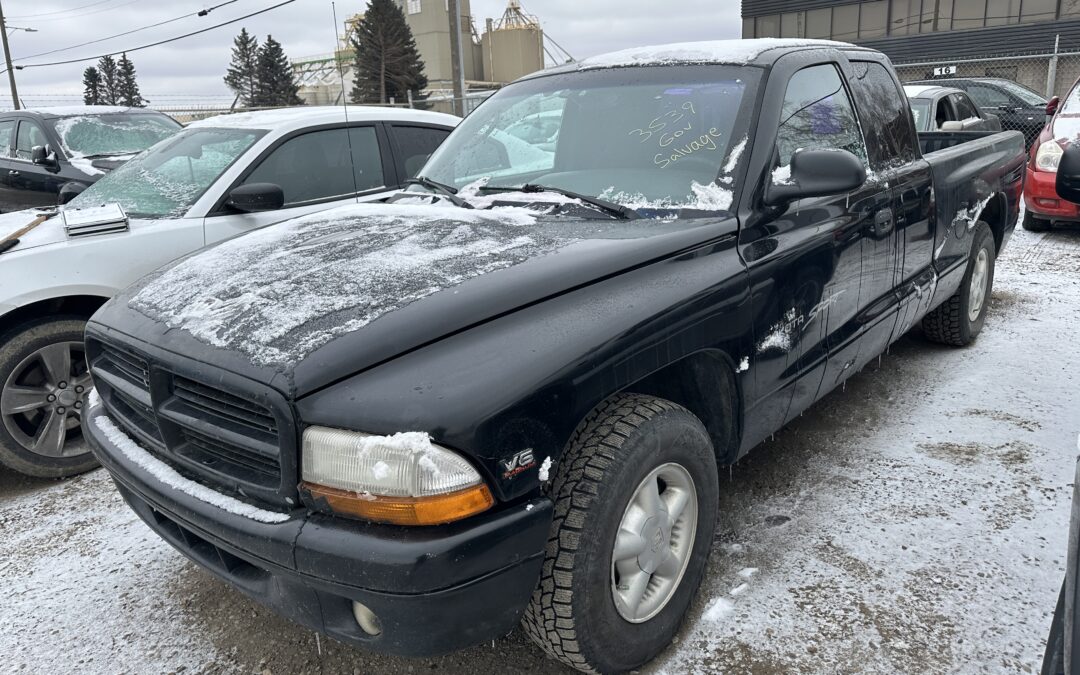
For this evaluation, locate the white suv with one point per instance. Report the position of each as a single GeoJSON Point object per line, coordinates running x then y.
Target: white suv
{"type": "Point", "coordinates": [213, 180]}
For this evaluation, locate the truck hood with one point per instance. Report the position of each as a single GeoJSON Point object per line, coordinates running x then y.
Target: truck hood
{"type": "Point", "coordinates": [301, 304]}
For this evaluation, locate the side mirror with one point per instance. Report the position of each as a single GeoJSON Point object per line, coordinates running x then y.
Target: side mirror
{"type": "Point", "coordinates": [69, 191]}
{"type": "Point", "coordinates": [255, 197]}
{"type": "Point", "coordinates": [43, 156]}
{"type": "Point", "coordinates": [1052, 106]}
{"type": "Point", "coordinates": [1067, 182]}
{"type": "Point", "coordinates": [816, 173]}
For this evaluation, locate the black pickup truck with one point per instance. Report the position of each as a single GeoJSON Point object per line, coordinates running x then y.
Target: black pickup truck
{"type": "Point", "coordinates": [505, 398]}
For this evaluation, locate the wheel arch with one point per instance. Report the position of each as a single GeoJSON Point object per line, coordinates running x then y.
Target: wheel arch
{"type": "Point", "coordinates": [705, 384]}
{"type": "Point", "coordinates": [76, 305]}
{"type": "Point", "coordinates": [994, 214]}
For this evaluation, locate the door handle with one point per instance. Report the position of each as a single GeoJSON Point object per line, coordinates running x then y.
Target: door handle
{"type": "Point", "coordinates": [883, 222]}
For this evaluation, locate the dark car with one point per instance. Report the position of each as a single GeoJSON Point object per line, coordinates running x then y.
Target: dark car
{"type": "Point", "coordinates": [412, 426]}
{"type": "Point", "coordinates": [47, 152]}
{"type": "Point", "coordinates": [947, 109]}
{"type": "Point", "coordinates": [1019, 108]}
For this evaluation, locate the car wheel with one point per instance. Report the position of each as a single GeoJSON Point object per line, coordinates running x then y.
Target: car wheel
{"type": "Point", "coordinates": [44, 383]}
{"type": "Point", "coordinates": [1033, 224]}
{"type": "Point", "coordinates": [636, 496]}
{"type": "Point", "coordinates": [958, 320]}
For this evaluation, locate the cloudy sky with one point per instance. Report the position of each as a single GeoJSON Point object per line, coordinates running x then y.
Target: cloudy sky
{"type": "Point", "coordinates": [189, 71]}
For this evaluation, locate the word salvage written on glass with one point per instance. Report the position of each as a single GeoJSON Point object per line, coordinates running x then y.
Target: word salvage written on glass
{"type": "Point", "coordinates": [671, 130]}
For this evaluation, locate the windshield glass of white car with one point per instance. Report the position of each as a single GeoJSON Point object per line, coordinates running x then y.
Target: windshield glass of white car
{"type": "Point", "coordinates": [168, 178]}
{"type": "Point", "coordinates": [635, 136]}
{"type": "Point", "coordinates": [105, 135]}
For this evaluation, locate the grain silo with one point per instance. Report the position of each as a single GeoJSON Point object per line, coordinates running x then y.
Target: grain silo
{"type": "Point", "coordinates": [513, 46]}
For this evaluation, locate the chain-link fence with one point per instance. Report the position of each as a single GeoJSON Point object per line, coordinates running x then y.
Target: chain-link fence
{"type": "Point", "coordinates": [1041, 76]}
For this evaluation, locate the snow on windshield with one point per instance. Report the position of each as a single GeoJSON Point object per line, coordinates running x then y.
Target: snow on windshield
{"type": "Point", "coordinates": [167, 180]}
{"type": "Point", "coordinates": [113, 135]}
{"type": "Point", "coordinates": [657, 136]}
{"type": "Point", "coordinates": [278, 294]}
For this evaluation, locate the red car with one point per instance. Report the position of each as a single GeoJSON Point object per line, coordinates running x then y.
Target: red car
{"type": "Point", "coordinates": [1043, 204]}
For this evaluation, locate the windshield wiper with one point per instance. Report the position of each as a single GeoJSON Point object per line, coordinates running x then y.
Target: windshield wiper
{"type": "Point", "coordinates": [617, 210]}
{"type": "Point", "coordinates": [101, 155]}
{"type": "Point", "coordinates": [444, 190]}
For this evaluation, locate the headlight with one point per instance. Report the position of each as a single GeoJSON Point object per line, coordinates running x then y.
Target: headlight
{"type": "Point", "coordinates": [1048, 156]}
{"type": "Point", "coordinates": [404, 479]}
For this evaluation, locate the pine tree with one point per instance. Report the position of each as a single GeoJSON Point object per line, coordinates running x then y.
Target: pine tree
{"type": "Point", "coordinates": [110, 80]}
{"type": "Point", "coordinates": [91, 79]}
{"type": "Point", "coordinates": [276, 84]}
{"type": "Point", "coordinates": [242, 75]}
{"type": "Point", "coordinates": [387, 61]}
{"type": "Point", "coordinates": [127, 88]}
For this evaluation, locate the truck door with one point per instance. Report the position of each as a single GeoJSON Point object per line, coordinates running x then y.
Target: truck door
{"type": "Point", "coordinates": [904, 251]}
{"type": "Point", "coordinates": [806, 262]}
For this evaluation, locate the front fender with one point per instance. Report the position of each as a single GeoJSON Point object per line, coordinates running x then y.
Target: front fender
{"type": "Point", "coordinates": [510, 392]}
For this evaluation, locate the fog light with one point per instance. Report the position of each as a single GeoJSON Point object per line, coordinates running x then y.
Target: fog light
{"type": "Point", "coordinates": [367, 619]}
{"type": "Point", "coordinates": [1047, 202]}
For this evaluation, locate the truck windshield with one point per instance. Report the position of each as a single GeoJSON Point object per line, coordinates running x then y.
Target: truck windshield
{"type": "Point", "coordinates": [659, 136]}
{"type": "Point", "coordinates": [168, 178]}
{"type": "Point", "coordinates": [118, 134]}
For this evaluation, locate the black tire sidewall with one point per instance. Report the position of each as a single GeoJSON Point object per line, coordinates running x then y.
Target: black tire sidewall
{"type": "Point", "coordinates": [606, 639]}
{"type": "Point", "coordinates": [16, 345]}
{"type": "Point", "coordinates": [983, 239]}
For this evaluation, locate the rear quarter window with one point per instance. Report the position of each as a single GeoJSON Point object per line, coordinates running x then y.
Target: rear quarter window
{"type": "Point", "coordinates": [883, 113]}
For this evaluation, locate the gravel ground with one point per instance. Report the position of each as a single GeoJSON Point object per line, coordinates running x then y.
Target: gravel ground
{"type": "Point", "coordinates": [913, 522]}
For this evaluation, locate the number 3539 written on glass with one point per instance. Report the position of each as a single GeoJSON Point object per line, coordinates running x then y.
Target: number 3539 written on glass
{"type": "Point", "coordinates": [676, 137]}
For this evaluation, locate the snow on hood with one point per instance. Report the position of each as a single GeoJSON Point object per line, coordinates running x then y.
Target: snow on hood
{"type": "Point", "coordinates": [731, 52]}
{"type": "Point", "coordinates": [279, 293]}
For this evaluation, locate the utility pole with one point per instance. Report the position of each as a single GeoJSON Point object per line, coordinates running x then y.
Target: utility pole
{"type": "Point", "coordinates": [7, 60]}
{"type": "Point", "coordinates": [457, 67]}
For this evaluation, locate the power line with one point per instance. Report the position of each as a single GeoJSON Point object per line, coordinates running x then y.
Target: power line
{"type": "Point", "coordinates": [202, 12]}
{"type": "Point", "coordinates": [67, 16]}
{"type": "Point", "coordinates": [159, 42]}
{"type": "Point", "coordinates": [61, 11]}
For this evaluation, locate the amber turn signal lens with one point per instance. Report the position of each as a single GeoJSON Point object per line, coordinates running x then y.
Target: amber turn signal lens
{"type": "Point", "coordinates": [433, 510]}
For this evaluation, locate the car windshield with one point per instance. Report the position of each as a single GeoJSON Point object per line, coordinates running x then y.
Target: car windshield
{"type": "Point", "coordinates": [1023, 93]}
{"type": "Point", "coordinates": [662, 137]}
{"type": "Point", "coordinates": [116, 134]}
{"type": "Point", "coordinates": [920, 109]}
{"type": "Point", "coordinates": [167, 179]}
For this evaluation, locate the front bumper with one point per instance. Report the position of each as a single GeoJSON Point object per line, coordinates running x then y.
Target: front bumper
{"type": "Point", "coordinates": [434, 589]}
{"type": "Point", "coordinates": [1041, 197]}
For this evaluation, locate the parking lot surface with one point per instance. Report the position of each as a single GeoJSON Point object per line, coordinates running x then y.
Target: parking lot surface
{"type": "Point", "coordinates": [913, 522]}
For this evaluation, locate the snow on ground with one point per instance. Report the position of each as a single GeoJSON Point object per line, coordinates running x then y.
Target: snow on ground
{"type": "Point", "coordinates": [914, 522]}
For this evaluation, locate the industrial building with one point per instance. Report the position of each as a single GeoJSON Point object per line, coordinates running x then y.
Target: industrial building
{"type": "Point", "coordinates": [510, 47]}
{"type": "Point", "coordinates": [1021, 40]}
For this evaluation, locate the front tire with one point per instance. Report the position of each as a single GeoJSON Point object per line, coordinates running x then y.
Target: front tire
{"type": "Point", "coordinates": [44, 385]}
{"type": "Point", "coordinates": [958, 320]}
{"type": "Point", "coordinates": [636, 497]}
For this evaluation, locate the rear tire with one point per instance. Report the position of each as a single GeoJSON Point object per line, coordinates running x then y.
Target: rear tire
{"type": "Point", "coordinates": [41, 359]}
{"type": "Point", "coordinates": [587, 611]}
{"type": "Point", "coordinates": [958, 320]}
{"type": "Point", "coordinates": [1033, 224]}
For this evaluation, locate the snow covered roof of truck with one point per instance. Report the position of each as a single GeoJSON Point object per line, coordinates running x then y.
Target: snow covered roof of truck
{"type": "Point", "coordinates": [723, 52]}
{"type": "Point", "coordinates": [305, 116]}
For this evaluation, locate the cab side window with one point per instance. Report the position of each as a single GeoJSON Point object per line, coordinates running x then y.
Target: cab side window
{"type": "Point", "coordinates": [885, 116]}
{"type": "Point", "coordinates": [817, 115]}
{"type": "Point", "coordinates": [414, 146]}
{"type": "Point", "coordinates": [964, 108]}
{"type": "Point", "coordinates": [30, 134]}
{"type": "Point", "coordinates": [317, 166]}
{"type": "Point", "coordinates": [7, 135]}
{"type": "Point", "coordinates": [988, 97]}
